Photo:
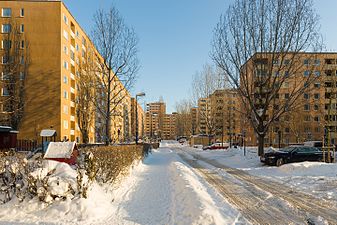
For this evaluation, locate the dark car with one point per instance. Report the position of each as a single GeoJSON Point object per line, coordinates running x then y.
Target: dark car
{"type": "Point", "coordinates": [216, 146]}
{"type": "Point", "coordinates": [293, 154]}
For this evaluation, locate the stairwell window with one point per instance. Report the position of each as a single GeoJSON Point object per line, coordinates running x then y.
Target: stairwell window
{"type": "Point", "coordinates": [5, 92]}
{"type": "Point", "coordinates": [22, 44]}
{"type": "Point", "coordinates": [6, 12]}
{"type": "Point", "coordinates": [22, 12]}
{"type": "Point", "coordinates": [6, 28]}
{"type": "Point", "coordinates": [22, 28]}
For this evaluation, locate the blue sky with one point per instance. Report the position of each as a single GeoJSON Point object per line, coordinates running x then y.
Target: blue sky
{"type": "Point", "coordinates": [174, 38]}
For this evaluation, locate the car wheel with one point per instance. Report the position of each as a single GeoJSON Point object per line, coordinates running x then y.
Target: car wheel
{"type": "Point", "coordinates": [280, 162]}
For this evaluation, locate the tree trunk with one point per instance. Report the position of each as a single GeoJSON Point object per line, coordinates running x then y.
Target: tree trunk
{"type": "Point", "coordinates": [261, 144]}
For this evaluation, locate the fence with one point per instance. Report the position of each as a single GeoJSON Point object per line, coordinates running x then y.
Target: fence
{"type": "Point", "coordinates": [26, 145]}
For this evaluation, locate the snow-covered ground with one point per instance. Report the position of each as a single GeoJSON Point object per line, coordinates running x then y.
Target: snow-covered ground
{"type": "Point", "coordinates": [165, 189]}
{"type": "Point", "coordinates": [316, 178]}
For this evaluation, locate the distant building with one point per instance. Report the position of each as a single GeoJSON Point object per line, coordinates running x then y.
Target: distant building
{"type": "Point", "coordinates": [169, 127]}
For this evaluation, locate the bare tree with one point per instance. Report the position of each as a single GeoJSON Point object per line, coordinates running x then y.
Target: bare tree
{"type": "Point", "coordinates": [117, 62]}
{"type": "Point", "coordinates": [204, 84]}
{"type": "Point", "coordinates": [86, 93]}
{"type": "Point", "coordinates": [15, 60]}
{"type": "Point", "coordinates": [184, 119]}
{"type": "Point", "coordinates": [259, 46]}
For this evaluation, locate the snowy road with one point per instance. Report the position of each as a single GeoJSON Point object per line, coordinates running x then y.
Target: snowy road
{"type": "Point", "coordinates": [262, 201]}
{"type": "Point", "coordinates": [180, 186]}
{"type": "Point", "coordinates": [166, 191]}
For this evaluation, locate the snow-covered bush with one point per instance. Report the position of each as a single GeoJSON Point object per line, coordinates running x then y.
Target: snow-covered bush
{"type": "Point", "coordinates": [113, 162]}
{"type": "Point", "coordinates": [43, 179]}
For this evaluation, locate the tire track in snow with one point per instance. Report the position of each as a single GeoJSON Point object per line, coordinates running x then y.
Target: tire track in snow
{"type": "Point", "coordinates": [256, 205]}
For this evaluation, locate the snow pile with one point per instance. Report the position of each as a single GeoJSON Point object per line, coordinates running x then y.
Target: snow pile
{"type": "Point", "coordinates": [58, 199]}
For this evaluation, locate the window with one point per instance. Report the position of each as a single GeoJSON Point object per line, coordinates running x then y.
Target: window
{"type": "Point", "coordinates": [317, 85]}
{"type": "Point", "coordinates": [6, 12]}
{"type": "Point", "coordinates": [306, 73]}
{"type": "Point", "coordinates": [22, 12]}
{"type": "Point", "coordinates": [77, 34]}
{"type": "Point", "coordinates": [5, 92]}
{"type": "Point", "coordinates": [275, 62]}
{"type": "Point", "coordinates": [65, 94]}
{"type": "Point", "coordinates": [5, 59]}
{"type": "Point", "coordinates": [22, 28]}
{"type": "Point", "coordinates": [6, 44]}
{"type": "Point", "coordinates": [6, 28]}
{"type": "Point", "coordinates": [316, 96]}
{"type": "Point", "coordinates": [317, 62]}
{"type": "Point", "coordinates": [306, 107]}
{"type": "Point", "coordinates": [4, 76]}
{"type": "Point", "coordinates": [22, 44]}
{"type": "Point", "coordinates": [65, 65]}
{"type": "Point", "coordinates": [317, 73]}
{"type": "Point", "coordinates": [22, 61]}
{"type": "Point", "coordinates": [286, 130]}
{"type": "Point", "coordinates": [306, 62]}
{"type": "Point", "coordinates": [286, 95]}
{"type": "Point", "coordinates": [84, 41]}
{"type": "Point", "coordinates": [65, 50]}
{"type": "Point", "coordinates": [286, 61]}
{"type": "Point", "coordinates": [316, 107]}
{"type": "Point", "coordinates": [22, 76]}
{"type": "Point", "coordinates": [316, 118]}
{"type": "Point", "coordinates": [65, 34]}
{"type": "Point", "coordinates": [277, 73]}
{"type": "Point", "coordinates": [286, 73]}
{"type": "Point", "coordinates": [306, 96]}
{"type": "Point", "coordinates": [77, 47]}
{"type": "Point", "coordinates": [65, 79]}
{"type": "Point", "coordinates": [65, 19]}
{"type": "Point", "coordinates": [65, 124]}
{"type": "Point", "coordinates": [65, 109]}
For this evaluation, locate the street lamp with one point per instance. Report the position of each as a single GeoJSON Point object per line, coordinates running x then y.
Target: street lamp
{"type": "Point", "coordinates": [141, 94]}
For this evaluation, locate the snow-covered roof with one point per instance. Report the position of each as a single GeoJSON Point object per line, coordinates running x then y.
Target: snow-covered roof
{"type": "Point", "coordinates": [57, 150]}
{"type": "Point", "coordinates": [47, 133]}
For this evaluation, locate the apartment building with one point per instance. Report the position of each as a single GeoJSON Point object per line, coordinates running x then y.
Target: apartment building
{"type": "Point", "coordinates": [204, 116]}
{"type": "Point", "coordinates": [140, 118]}
{"type": "Point", "coordinates": [194, 120]}
{"type": "Point", "coordinates": [225, 115]}
{"type": "Point", "coordinates": [315, 112]}
{"type": "Point", "coordinates": [57, 43]}
{"type": "Point", "coordinates": [154, 119]}
{"type": "Point", "coordinates": [169, 127]}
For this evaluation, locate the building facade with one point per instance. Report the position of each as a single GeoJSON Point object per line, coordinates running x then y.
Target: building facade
{"type": "Point", "coordinates": [314, 113]}
{"type": "Point", "coordinates": [57, 43]}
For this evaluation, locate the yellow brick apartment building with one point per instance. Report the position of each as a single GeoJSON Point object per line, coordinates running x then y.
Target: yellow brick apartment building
{"type": "Point", "coordinates": [56, 43]}
{"type": "Point", "coordinates": [316, 107]}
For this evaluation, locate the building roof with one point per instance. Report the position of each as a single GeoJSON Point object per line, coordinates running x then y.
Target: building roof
{"type": "Point", "coordinates": [47, 133]}
{"type": "Point", "coordinates": [57, 150]}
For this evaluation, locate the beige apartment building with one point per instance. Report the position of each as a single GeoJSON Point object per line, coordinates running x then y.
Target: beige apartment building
{"type": "Point", "coordinates": [140, 118]}
{"type": "Point", "coordinates": [169, 127]}
{"type": "Point", "coordinates": [316, 107]}
{"type": "Point", "coordinates": [154, 119]}
{"type": "Point", "coordinates": [56, 45]}
{"type": "Point", "coordinates": [204, 116]}
{"type": "Point", "coordinates": [225, 114]}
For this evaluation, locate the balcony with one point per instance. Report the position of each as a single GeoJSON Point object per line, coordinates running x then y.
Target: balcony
{"type": "Point", "coordinates": [72, 90]}
{"type": "Point", "coordinates": [72, 76]}
{"type": "Point", "coordinates": [72, 118]}
{"type": "Point", "coordinates": [72, 104]}
{"type": "Point", "coordinates": [72, 132]}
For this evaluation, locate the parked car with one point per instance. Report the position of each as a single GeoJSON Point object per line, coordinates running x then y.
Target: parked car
{"type": "Point", "coordinates": [317, 144]}
{"type": "Point", "coordinates": [293, 154]}
{"type": "Point", "coordinates": [216, 146]}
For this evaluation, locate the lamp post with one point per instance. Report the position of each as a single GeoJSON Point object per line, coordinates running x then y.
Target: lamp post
{"type": "Point", "coordinates": [141, 94]}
